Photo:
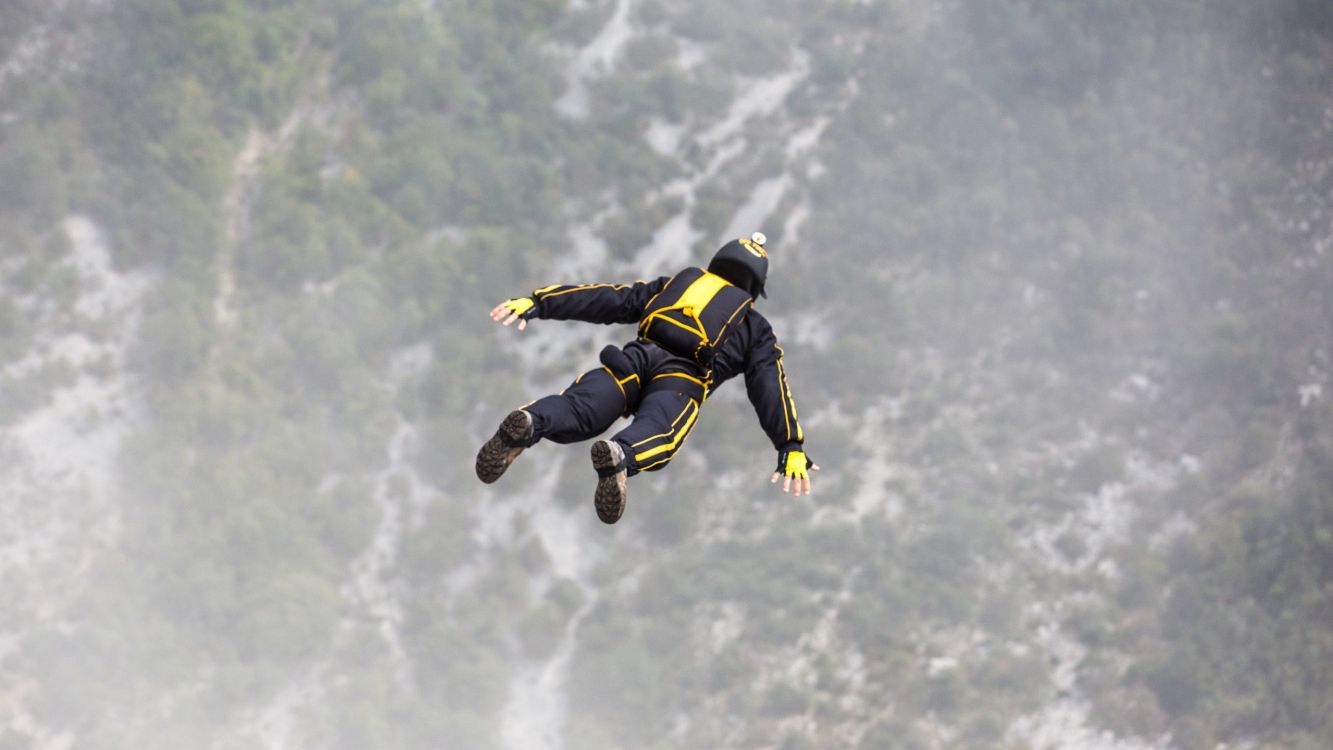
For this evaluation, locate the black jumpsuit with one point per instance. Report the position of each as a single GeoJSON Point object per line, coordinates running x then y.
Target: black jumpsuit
{"type": "Point", "coordinates": [662, 391]}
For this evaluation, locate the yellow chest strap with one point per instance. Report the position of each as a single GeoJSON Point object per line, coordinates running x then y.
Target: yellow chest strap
{"type": "Point", "coordinates": [693, 301]}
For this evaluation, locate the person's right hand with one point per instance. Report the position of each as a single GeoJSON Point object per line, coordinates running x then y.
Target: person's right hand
{"type": "Point", "coordinates": [514, 309]}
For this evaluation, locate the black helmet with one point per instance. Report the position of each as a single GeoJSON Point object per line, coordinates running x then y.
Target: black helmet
{"type": "Point", "coordinates": [743, 262]}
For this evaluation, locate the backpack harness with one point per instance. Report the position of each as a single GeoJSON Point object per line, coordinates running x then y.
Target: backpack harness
{"type": "Point", "coordinates": [693, 314]}
{"type": "Point", "coordinates": [689, 318]}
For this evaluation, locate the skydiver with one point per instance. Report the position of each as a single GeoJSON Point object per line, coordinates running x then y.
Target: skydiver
{"type": "Point", "coordinates": [696, 330]}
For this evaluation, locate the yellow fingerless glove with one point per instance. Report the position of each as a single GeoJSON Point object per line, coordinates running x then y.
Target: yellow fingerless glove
{"type": "Point", "coordinates": [521, 305]}
{"type": "Point", "coordinates": [794, 464]}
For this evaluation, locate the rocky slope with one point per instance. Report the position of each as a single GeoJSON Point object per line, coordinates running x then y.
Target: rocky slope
{"type": "Point", "coordinates": [1027, 319]}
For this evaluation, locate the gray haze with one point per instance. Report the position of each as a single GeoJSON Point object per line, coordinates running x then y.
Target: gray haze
{"type": "Point", "coordinates": [1053, 282]}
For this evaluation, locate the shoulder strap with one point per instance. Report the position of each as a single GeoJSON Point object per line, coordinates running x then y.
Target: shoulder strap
{"type": "Point", "coordinates": [692, 313]}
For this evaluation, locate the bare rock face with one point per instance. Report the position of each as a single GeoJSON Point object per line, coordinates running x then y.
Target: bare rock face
{"type": "Point", "coordinates": [1052, 282]}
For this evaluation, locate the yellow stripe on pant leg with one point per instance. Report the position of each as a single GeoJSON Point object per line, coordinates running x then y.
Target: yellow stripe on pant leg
{"type": "Point", "coordinates": [669, 431]}
{"type": "Point", "coordinates": [684, 433]}
{"type": "Point", "coordinates": [618, 383]}
{"type": "Point", "coordinates": [676, 441]}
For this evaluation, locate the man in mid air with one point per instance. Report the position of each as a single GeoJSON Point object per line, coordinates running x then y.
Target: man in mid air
{"type": "Point", "coordinates": [697, 329]}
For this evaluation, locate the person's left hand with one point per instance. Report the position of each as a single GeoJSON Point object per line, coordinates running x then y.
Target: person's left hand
{"type": "Point", "coordinates": [794, 467]}
{"type": "Point", "coordinates": [513, 309]}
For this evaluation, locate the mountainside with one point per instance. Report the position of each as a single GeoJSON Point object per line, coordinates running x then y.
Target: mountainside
{"type": "Point", "coordinates": [1053, 282]}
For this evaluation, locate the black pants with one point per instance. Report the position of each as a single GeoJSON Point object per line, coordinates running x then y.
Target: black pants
{"type": "Point", "coordinates": [662, 392]}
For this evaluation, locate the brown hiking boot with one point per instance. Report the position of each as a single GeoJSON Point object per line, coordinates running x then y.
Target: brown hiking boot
{"type": "Point", "coordinates": [509, 440]}
{"type": "Point", "coordinates": [608, 458]}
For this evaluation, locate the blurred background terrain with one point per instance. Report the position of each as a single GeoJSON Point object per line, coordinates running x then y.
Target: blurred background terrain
{"type": "Point", "coordinates": [1054, 282]}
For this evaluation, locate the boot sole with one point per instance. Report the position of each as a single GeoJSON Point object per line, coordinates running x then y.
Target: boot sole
{"type": "Point", "coordinates": [495, 455]}
{"type": "Point", "coordinates": [609, 499]}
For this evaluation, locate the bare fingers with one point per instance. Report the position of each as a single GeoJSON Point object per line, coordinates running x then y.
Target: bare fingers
{"type": "Point", "coordinates": [505, 315]}
{"type": "Point", "coordinates": [802, 484]}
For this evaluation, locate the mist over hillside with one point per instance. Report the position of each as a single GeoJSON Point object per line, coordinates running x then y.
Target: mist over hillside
{"type": "Point", "coordinates": [1055, 291]}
